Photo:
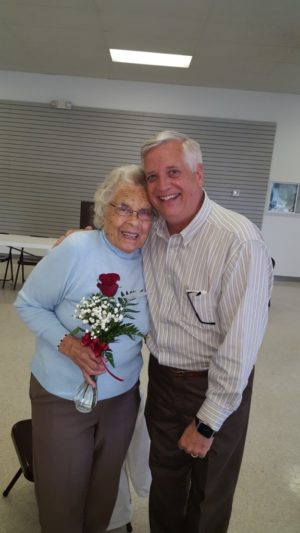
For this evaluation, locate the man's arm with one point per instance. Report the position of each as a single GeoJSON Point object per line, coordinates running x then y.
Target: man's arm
{"type": "Point", "coordinates": [242, 312]}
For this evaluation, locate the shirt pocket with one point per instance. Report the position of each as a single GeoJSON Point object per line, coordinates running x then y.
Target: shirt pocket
{"type": "Point", "coordinates": [203, 306]}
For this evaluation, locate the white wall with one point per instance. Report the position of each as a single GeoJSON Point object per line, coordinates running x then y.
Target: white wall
{"type": "Point", "coordinates": [281, 232]}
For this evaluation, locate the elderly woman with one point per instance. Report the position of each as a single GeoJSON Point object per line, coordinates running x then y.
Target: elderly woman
{"type": "Point", "coordinates": [78, 457]}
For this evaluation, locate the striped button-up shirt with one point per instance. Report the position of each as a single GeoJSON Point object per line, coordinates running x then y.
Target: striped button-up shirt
{"type": "Point", "coordinates": [208, 289]}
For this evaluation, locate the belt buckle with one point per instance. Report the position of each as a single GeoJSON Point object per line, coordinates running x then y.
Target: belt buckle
{"type": "Point", "coordinates": [178, 372]}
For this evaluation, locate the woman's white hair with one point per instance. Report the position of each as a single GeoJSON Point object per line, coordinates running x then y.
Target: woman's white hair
{"type": "Point", "coordinates": [191, 148]}
{"type": "Point", "coordinates": [131, 174]}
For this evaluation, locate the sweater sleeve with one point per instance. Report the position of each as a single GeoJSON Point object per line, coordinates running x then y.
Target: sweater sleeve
{"type": "Point", "coordinates": [44, 289]}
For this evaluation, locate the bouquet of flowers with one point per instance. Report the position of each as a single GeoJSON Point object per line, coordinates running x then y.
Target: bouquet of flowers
{"type": "Point", "coordinates": [104, 314]}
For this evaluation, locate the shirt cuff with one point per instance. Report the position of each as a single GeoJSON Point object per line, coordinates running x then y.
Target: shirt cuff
{"type": "Point", "coordinates": [213, 415]}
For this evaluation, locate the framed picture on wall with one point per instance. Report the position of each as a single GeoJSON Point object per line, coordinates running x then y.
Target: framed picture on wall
{"type": "Point", "coordinates": [284, 198]}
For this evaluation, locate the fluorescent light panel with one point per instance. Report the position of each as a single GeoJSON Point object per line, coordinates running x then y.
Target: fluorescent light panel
{"type": "Point", "coordinates": [150, 58]}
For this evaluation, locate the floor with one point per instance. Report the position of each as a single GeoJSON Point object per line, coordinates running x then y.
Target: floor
{"type": "Point", "coordinates": [267, 498]}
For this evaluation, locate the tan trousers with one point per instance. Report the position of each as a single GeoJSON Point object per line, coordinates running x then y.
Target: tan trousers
{"type": "Point", "coordinates": [190, 495]}
{"type": "Point", "coordinates": [77, 459]}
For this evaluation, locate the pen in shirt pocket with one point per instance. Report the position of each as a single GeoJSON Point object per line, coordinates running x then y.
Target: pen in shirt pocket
{"type": "Point", "coordinates": [189, 293]}
{"type": "Point", "coordinates": [196, 292]}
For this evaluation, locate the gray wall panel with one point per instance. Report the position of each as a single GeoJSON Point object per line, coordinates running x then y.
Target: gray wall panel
{"type": "Point", "coordinates": [51, 159]}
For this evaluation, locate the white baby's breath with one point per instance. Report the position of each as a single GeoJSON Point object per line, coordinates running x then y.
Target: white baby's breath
{"type": "Point", "coordinates": [105, 315]}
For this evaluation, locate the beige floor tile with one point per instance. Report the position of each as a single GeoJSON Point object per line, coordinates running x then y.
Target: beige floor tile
{"type": "Point", "coordinates": [267, 499]}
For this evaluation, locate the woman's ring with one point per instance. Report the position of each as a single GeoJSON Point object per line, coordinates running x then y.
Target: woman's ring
{"type": "Point", "coordinates": [194, 456]}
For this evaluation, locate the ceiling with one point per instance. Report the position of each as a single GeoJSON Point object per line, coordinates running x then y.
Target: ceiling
{"type": "Point", "coordinates": [239, 44]}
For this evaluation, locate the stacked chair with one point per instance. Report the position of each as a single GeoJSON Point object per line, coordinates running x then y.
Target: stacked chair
{"type": "Point", "coordinates": [21, 435]}
{"type": "Point", "coordinates": [28, 259]}
{"type": "Point", "coordinates": [7, 258]}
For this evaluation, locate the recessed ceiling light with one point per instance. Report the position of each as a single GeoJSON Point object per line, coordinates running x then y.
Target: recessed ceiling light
{"type": "Point", "coordinates": [150, 58]}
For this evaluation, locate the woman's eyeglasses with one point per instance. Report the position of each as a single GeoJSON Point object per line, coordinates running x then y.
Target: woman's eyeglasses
{"type": "Point", "coordinates": [125, 211]}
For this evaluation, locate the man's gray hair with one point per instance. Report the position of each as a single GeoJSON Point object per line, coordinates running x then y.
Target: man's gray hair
{"type": "Point", "coordinates": [130, 174]}
{"type": "Point", "coordinates": [191, 148]}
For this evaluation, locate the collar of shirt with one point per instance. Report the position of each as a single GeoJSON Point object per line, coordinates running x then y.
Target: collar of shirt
{"type": "Point", "coordinates": [188, 232]}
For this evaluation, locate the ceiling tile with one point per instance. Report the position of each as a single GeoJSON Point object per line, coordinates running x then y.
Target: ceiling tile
{"type": "Point", "coordinates": [248, 44]}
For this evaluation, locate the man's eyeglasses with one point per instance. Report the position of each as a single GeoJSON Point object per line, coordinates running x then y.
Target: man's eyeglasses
{"type": "Point", "coordinates": [125, 211]}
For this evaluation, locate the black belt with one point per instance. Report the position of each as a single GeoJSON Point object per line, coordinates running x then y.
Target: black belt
{"type": "Point", "coordinates": [180, 373]}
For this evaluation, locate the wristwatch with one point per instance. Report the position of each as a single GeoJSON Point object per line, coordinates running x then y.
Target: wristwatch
{"type": "Point", "coordinates": [203, 429]}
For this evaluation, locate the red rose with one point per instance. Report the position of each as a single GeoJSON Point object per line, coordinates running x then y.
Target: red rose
{"type": "Point", "coordinates": [107, 284]}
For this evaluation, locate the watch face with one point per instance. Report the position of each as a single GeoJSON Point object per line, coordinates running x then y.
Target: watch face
{"type": "Point", "coordinates": [205, 430]}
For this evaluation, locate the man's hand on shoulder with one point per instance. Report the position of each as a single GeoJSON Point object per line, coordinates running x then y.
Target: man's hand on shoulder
{"type": "Point", "coordinates": [69, 232]}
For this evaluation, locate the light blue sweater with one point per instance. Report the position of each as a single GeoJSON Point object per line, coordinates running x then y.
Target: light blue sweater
{"type": "Point", "coordinates": [47, 302]}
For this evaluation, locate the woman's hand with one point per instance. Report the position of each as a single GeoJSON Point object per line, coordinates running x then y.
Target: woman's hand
{"type": "Point", "coordinates": [82, 356]}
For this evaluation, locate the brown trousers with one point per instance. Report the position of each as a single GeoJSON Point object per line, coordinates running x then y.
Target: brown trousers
{"type": "Point", "coordinates": [190, 495]}
{"type": "Point", "coordinates": [77, 458]}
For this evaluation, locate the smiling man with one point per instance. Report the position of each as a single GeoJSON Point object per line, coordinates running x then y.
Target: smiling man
{"type": "Point", "coordinates": [174, 184]}
{"type": "Point", "coordinates": [208, 277]}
